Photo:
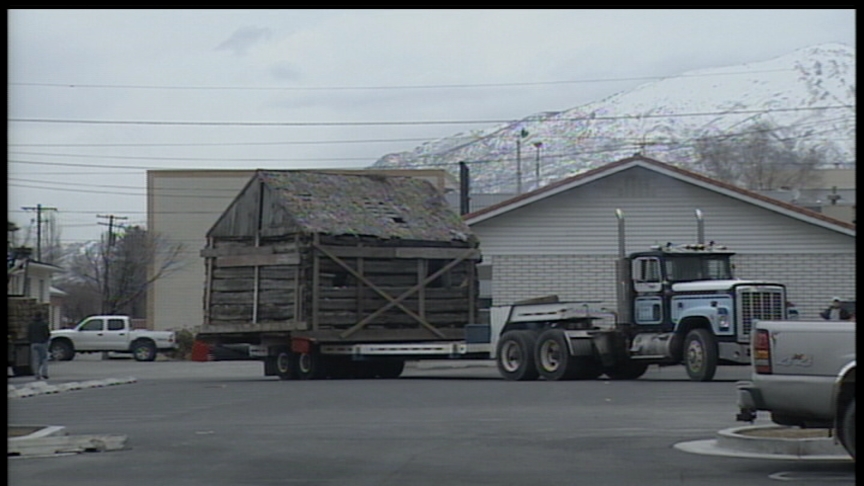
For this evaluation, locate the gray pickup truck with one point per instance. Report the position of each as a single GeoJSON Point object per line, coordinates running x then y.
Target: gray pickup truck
{"type": "Point", "coordinates": [803, 373]}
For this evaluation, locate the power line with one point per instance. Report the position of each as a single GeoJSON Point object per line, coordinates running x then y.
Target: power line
{"type": "Point", "coordinates": [424, 122]}
{"type": "Point", "coordinates": [393, 87]}
{"type": "Point", "coordinates": [218, 144]}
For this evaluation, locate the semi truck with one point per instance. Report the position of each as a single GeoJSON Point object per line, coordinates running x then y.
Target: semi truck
{"type": "Point", "coordinates": [676, 304]}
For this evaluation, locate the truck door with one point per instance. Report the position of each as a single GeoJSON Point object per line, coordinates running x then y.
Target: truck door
{"type": "Point", "coordinates": [116, 335]}
{"type": "Point", "coordinates": [647, 286]}
{"type": "Point", "coordinates": [90, 334]}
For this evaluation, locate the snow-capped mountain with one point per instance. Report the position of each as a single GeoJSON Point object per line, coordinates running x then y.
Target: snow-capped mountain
{"type": "Point", "coordinates": [808, 94]}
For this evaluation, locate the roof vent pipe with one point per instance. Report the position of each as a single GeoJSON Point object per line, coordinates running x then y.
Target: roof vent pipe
{"type": "Point", "coordinates": [700, 228]}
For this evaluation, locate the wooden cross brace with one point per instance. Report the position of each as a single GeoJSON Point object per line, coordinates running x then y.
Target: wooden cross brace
{"type": "Point", "coordinates": [392, 301]}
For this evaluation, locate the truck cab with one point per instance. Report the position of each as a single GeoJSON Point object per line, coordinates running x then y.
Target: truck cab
{"type": "Point", "coordinates": [688, 306]}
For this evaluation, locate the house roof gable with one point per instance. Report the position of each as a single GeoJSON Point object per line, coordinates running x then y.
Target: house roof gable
{"type": "Point", "coordinates": [668, 170]}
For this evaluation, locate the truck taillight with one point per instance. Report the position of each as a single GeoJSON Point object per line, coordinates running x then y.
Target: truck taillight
{"type": "Point", "coordinates": [762, 352]}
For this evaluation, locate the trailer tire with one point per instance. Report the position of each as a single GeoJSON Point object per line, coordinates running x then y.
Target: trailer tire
{"type": "Point", "coordinates": [284, 364]}
{"type": "Point", "coordinates": [143, 350]}
{"type": "Point", "coordinates": [515, 356]}
{"type": "Point", "coordinates": [309, 366]}
{"type": "Point", "coordinates": [847, 430]}
{"type": "Point", "coordinates": [700, 355]}
{"type": "Point", "coordinates": [555, 363]}
{"type": "Point", "coordinates": [390, 368]}
{"type": "Point", "coordinates": [626, 370]}
{"type": "Point", "coordinates": [61, 350]}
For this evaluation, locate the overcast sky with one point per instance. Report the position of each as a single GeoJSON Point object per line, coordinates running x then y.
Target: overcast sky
{"type": "Point", "coordinates": [91, 91]}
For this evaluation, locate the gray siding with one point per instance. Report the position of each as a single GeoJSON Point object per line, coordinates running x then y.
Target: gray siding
{"type": "Point", "coordinates": [657, 209]}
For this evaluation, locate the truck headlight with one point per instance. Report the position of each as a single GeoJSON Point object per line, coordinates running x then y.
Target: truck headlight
{"type": "Point", "coordinates": [723, 321]}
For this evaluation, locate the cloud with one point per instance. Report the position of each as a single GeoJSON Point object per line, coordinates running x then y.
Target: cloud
{"type": "Point", "coordinates": [243, 39]}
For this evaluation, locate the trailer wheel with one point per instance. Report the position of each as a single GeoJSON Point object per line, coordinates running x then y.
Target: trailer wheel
{"type": "Point", "coordinates": [555, 363]}
{"type": "Point", "coordinates": [515, 356]}
{"type": "Point", "coordinates": [390, 368]}
{"type": "Point", "coordinates": [284, 360]}
{"type": "Point", "coordinates": [61, 350]}
{"type": "Point", "coordinates": [626, 370]}
{"type": "Point", "coordinates": [700, 355]}
{"type": "Point", "coordinates": [144, 350]}
{"type": "Point", "coordinates": [309, 366]}
{"type": "Point", "coordinates": [847, 431]}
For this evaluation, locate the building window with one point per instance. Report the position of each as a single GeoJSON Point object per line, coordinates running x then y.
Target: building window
{"type": "Point", "coordinates": [42, 291]}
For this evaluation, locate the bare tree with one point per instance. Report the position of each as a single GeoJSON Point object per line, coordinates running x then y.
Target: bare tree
{"type": "Point", "coordinates": [116, 271]}
{"type": "Point", "coordinates": [758, 159]}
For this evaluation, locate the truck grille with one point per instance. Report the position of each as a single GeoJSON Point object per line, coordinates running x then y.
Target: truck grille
{"type": "Point", "coordinates": [758, 302]}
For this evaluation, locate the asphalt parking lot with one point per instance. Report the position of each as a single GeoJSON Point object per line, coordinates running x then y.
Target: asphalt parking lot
{"type": "Point", "coordinates": [224, 423]}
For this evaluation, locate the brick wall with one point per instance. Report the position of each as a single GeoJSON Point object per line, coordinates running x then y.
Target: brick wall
{"type": "Point", "coordinates": [811, 279]}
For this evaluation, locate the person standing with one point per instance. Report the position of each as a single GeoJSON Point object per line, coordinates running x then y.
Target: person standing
{"type": "Point", "coordinates": [836, 312]}
{"type": "Point", "coordinates": [39, 334]}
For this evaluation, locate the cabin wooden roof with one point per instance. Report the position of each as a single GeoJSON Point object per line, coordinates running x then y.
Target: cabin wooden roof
{"type": "Point", "coordinates": [380, 206]}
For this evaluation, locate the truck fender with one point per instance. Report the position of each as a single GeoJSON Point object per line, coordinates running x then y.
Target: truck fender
{"type": "Point", "coordinates": [844, 389]}
{"type": "Point", "coordinates": [712, 315]}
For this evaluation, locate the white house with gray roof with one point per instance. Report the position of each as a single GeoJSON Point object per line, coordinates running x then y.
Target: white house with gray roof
{"type": "Point", "coordinates": [563, 238]}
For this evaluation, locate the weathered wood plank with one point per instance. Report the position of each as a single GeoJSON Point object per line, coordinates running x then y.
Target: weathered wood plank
{"type": "Point", "coordinates": [431, 293]}
{"type": "Point", "coordinates": [234, 272]}
{"type": "Point", "coordinates": [369, 304]}
{"type": "Point", "coordinates": [231, 311]}
{"type": "Point", "coordinates": [278, 272]}
{"type": "Point", "coordinates": [391, 253]}
{"type": "Point", "coordinates": [278, 297]}
{"type": "Point", "coordinates": [339, 319]}
{"type": "Point", "coordinates": [258, 260]}
{"type": "Point", "coordinates": [232, 285]}
{"type": "Point", "coordinates": [236, 251]}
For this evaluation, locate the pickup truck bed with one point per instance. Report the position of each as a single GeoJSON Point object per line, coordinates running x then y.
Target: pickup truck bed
{"type": "Point", "coordinates": [803, 374]}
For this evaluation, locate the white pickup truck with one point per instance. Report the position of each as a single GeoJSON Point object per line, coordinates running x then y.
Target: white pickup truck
{"type": "Point", "coordinates": [803, 373]}
{"type": "Point", "coordinates": [98, 334]}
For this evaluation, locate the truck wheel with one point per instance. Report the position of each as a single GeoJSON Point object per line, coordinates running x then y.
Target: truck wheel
{"type": "Point", "coordinates": [515, 356]}
{"type": "Point", "coordinates": [390, 368]}
{"type": "Point", "coordinates": [284, 366]}
{"type": "Point", "coordinates": [61, 351]}
{"type": "Point", "coordinates": [555, 363]}
{"type": "Point", "coordinates": [847, 432]}
{"type": "Point", "coordinates": [309, 366]}
{"type": "Point", "coordinates": [700, 355]}
{"type": "Point", "coordinates": [627, 370]}
{"type": "Point", "coordinates": [144, 350]}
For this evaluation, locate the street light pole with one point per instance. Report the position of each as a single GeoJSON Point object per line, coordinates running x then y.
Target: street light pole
{"type": "Point", "coordinates": [537, 145]}
{"type": "Point", "coordinates": [522, 134]}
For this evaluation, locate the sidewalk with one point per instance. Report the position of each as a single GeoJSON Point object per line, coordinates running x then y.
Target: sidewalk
{"type": "Point", "coordinates": [33, 387]}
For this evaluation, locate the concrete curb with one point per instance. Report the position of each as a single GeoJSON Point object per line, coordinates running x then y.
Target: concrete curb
{"type": "Point", "coordinates": [53, 440]}
{"type": "Point", "coordinates": [735, 442]}
{"type": "Point", "coordinates": [43, 387]}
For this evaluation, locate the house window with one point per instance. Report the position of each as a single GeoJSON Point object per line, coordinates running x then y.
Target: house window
{"type": "Point", "coordinates": [42, 291]}
{"type": "Point", "coordinates": [27, 284]}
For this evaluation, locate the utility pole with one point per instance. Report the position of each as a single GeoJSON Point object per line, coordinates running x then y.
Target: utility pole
{"type": "Point", "coordinates": [106, 255]}
{"type": "Point", "coordinates": [537, 145]}
{"type": "Point", "coordinates": [39, 209]}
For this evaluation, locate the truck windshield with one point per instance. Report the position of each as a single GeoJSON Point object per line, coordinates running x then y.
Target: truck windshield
{"type": "Point", "coordinates": [692, 267]}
